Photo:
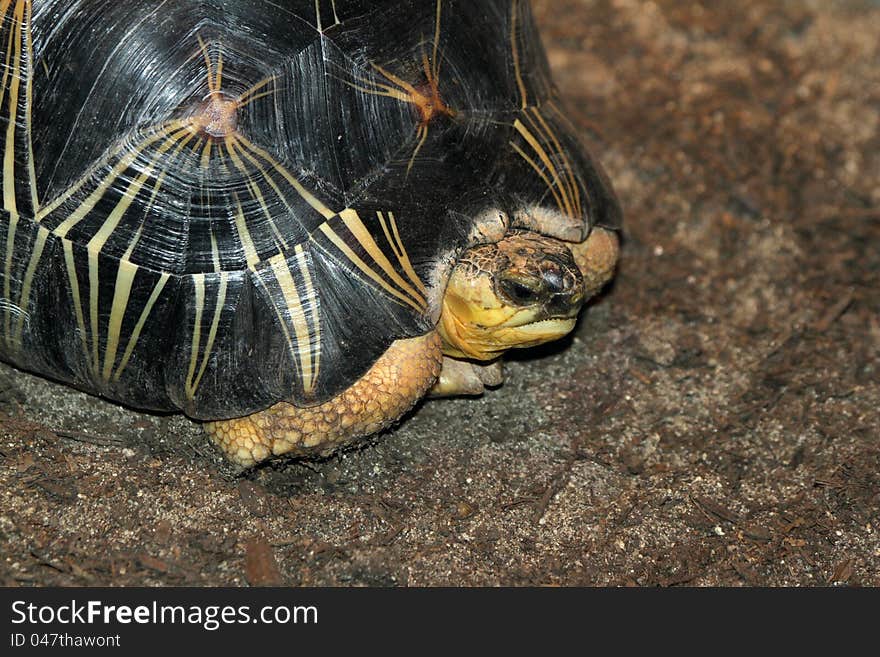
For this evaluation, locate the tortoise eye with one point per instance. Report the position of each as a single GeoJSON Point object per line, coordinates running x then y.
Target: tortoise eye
{"type": "Point", "coordinates": [517, 292]}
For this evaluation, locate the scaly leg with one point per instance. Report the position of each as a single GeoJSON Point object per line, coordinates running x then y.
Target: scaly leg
{"type": "Point", "coordinates": [388, 390]}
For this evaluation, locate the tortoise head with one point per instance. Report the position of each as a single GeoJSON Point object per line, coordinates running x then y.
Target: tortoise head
{"type": "Point", "coordinates": [524, 290]}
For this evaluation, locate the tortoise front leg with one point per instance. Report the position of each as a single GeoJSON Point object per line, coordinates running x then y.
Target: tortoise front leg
{"type": "Point", "coordinates": [463, 377]}
{"type": "Point", "coordinates": [388, 390]}
{"type": "Point", "coordinates": [596, 257]}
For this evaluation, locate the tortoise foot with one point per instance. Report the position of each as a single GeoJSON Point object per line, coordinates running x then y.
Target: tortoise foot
{"type": "Point", "coordinates": [388, 390]}
{"type": "Point", "coordinates": [462, 377]}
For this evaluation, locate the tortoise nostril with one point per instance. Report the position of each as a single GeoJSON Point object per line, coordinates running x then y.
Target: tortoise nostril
{"type": "Point", "coordinates": [566, 304]}
{"type": "Point", "coordinates": [553, 279]}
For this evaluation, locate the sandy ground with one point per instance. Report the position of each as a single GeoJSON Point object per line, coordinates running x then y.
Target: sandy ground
{"type": "Point", "coordinates": [714, 421]}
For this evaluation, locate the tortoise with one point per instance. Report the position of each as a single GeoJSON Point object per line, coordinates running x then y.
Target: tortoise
{"type": "Point", "coordinates": [290, 219]}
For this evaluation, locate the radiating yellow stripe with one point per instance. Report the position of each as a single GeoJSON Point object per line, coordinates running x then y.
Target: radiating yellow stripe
{"type": "Point", "coordinates": [436, 60]}
{"type": "Point", "coordinates": [394, 241]}
{"type": "Point", "coordinates": [218, 77]}
{"type": "Point", "coordinates": [313, 298]}
{"type": "Point", "coordinates": [400, 82]}
{"type": "Point", "coordinates": [212, 333]}
{"type": "Point", "coordinates": [233, 141]}
{"type": "Point", "coordinates": [572, 186]}
{"type": "Point", "coordinates": [133, 243]}
{"type": "Point", "coordinates": [215, 252]}
{"type": "Point", "coordinates": [379, 89]}
{"type": "Point", "coordinates": [134, 189]}
{"type": "Point", "coordinates": [126, 272]}
{"type": "Point", "coordinates": [92, 200]}
{"type": "Point", "coordinates": [282, 321]}
{"type": "Point", "coordinates": [540, 173]}
{"type": "Point", "coordinates": [298, 316]}
{"type": "Point", "coordinates": [353, 222]}
{"type": "Point", "coordinates": [160, 180]}
{"type": "Point", "coordinates": [96, 244]}
{"type": "Point", "coordinates": [74, 289]}
{"type": "Point", "coordinates": [206, 154]}
{"type": "Point", "coordinates": [94, 288]}
{"type": "Point", "coordinates": [266, 176]}
{"type": "Point", "coordinates": [251, 94]}
{"type": "Point", "coordinates": [9, 151]}
{"type": "Point", "coordinates": [136, 334]}
{"type": "Point", "coordinates": [7, 279]}
{"type": "Point", "coordinates": [24, 300]}
{"type": "Point", "coordinates": [514, 45]}
{"type": "Point", "coordinates": [29, 104]}
{"type": "Point", "coordinates": [9, 166]}
{"type": "Point", "coordinates": [121, 295]}
{"type": "Point", "coordinates": [208, 64]}
{"type": "Point", "coordinates": [307, 196]}
{"type": "Point", "coordinates": [405, 257]}
{"type": "Point", "coordinates": [318, 15]}
{"type": "Point", "coordinates": [567, 124]}
{"type": "Point", "coordinates": [539, 149]}
{"type": "Point", "coordinates": [255, 191]}
{"type": "Point", "coordinates": [244, 235]}
{"type": "Point", "coordinates": [199, 285]}
{"type": "Point", "coordinates": [360, 264]}
{"type": "Point", "coordinates": [542, 155]}
{"type": "Point", "coordinates": [422, 133]}
{"type": "Point", "coordinates": [10, 46]}
{"type": "Point", "coordinates": [560, 191]}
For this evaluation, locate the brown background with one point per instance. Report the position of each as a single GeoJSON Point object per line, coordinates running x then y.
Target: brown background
{"type": "Point", "coordinates": [713, 422]}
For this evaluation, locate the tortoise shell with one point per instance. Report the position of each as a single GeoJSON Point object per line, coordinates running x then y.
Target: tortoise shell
{"type": "Point", "coordinates": [214, 205]}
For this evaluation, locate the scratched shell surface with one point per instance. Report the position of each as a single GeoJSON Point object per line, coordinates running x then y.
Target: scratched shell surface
{"type": "Point", "coordinates": [169, 266]}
